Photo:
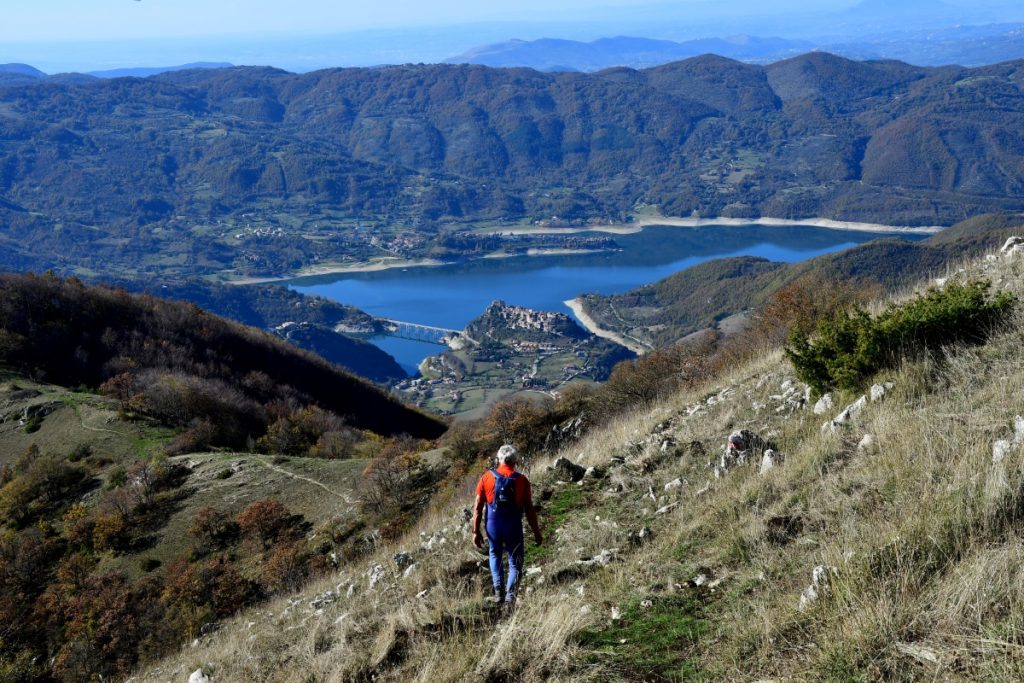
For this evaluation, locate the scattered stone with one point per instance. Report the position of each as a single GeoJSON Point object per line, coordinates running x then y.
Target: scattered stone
{"type": "Point", "coordinates": [674, 484]}
{"type": "Point", "coordinates": [422, 594]}
{"type": "Point", "coordinates": [704, 489]}
{"type": "Point", "coordinates": [647, 604]}
{"type": "Point", "coordinates": [851, 411]}
{"type": "Point", "coordinates": [819, 584]}
{"type": "Point", "coordinates": [740, 446]}
{"type": "Point", "coordinates": [568, 470]}
{"type": "Point", "coordinates": [1014, 246]}
{"type": "Point", "coordinates": [210, 627]}
{"type": "Point", "coordinates": [1000, 449]}
{"type": "Point", "coordinates": [323, 599]}
{"type": "Point", "coordinates": [823, 405]}
{"type": "Point", "coordinates": [530, 571]}
{"type": "Point", "coordinates": [594, 473]}
{"type": "Point", "coordinates": [640, 537]}
{"type": "Point", "coordinates": [1018, 430]}
{"type": "Point", "coordinates": [376, 574]}
{"type": "Point", "coordinates": [410, 570]}
{"type": "Point", "coordinates": [666, 508]}
{"type": "Point", "coordinates": [402, 559]}
{"type": "Point", "coordinates": [921, 654]}
{"type": "Point", "coordinates": [198, 676]}
{"type": "Point", "coordinates": [616, 613]}
{"type": "Point", "coordinates": [699, 580]}
{"type": "Point", "coordinates": [768, 460]}
{"type": "Point", "coordinates": [602, 559]}
{"type": "Point", "coordinates": [878, 392]}
{"type": "Point", "coordinates": [867, 444]}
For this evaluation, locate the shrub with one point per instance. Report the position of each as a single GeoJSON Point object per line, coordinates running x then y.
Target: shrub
{"type": "Point", "coordinates": [266, 521]}
{"type": "Point", "coordinates": [212, 530]}
{"type": "Point", "coordinates": [851, 347]}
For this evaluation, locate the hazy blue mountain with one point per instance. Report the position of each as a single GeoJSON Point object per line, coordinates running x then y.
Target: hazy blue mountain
{"type": "Point", "coordinates": [551, 54]}
{"type": "Point", "coordinates": [21, 70]}
{"type": "Point", "coordinates": [146, 71]}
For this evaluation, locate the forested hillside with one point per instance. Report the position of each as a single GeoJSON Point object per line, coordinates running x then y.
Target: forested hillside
{"type": "Point", "coordinates": [255, 170]}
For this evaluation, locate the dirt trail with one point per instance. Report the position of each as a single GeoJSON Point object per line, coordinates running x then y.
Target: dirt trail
{"type": "Point", "coordinates": [314, 482]}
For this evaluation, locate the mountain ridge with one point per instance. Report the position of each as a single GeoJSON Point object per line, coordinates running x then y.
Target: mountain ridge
{"type": "Point", "coordinates": [291, 164]}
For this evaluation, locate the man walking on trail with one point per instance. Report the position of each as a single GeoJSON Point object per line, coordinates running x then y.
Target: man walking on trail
{"type": "Point", "coordinates": [506, 494]}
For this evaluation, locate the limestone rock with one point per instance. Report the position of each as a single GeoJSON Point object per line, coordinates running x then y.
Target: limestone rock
{"type": "Point", "coordinates": [1018, 430]}
{"type": "Point", "coordinates": [402, 559]}
{"type": "Point", "coordinates": [867, 444]}
{"type": "Point", "coordinates": [823, 405]}
{"type": "Point", "coordinates": [198, 676]}
{"type": "Point", "coordinates": [1014, 246]}
{"type": "Point", "coordinates": [1000, 449]}
{"type": "Point", "coordinates": [878, 392]}
{"type": "Point", "coordinates": [376, 574]}
{"type": "Point", "coordinates": [568, 470]}
{"type": "Point", "coordinates": [674, 484]}
{"type": "Point", "coordinates": [323, 599]}
{"type": "Point", "coordinates": [820, 578]}
{"type": "Point", "coordinates": [768, 460]}
{"type": "Point", "coordinates": [740, 446]}
{"type": "Point", "coordinates": [594, 473]}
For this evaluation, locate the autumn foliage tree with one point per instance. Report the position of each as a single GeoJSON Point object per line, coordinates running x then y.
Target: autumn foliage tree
{"type": "Point", "coordinates": [265, 521]}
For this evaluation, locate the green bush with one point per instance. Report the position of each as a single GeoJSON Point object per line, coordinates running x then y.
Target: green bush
{"type": "Point", "coordinates": [851, 347]}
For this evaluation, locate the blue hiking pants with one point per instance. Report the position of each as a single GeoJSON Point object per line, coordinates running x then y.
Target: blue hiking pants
{"type": "Point", "coordinates": [505, 535]}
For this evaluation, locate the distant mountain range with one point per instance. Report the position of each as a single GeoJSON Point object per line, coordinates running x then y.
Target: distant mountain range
{"type": "Point", "coordinates": [963, 45]}
{"type": "Point", "coordinates": [550, 54]}
{"type": "Point", "coordinates": [17, 74]}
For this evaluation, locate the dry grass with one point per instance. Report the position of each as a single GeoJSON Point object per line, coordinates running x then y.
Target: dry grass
{"type": "Point", "coordinates": [922, 534]}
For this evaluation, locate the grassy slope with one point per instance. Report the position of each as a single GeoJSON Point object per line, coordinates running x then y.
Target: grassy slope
{"type": "Point", "coordinates": [921, 533]}
{"type": "Point", "coordinates": [319, 490]}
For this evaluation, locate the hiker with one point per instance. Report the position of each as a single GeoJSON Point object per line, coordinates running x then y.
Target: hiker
{"type": "Point", "coordinates": [506, 494]}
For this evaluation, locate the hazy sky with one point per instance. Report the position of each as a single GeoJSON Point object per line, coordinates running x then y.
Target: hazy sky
{"type": "Point", "coordinates": [78, 20]}
{"type": "Point", "coordinates": [300, 35]}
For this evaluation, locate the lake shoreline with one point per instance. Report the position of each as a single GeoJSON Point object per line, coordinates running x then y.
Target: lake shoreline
{"type": "Point", "coordinates": [675, 222]}
{"type": "Point", "coordinates": [591, 326]}
{"type": "Point", "coordinates": [612, 229]}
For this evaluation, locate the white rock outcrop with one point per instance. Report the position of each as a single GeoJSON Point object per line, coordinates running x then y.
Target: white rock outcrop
{"type": "Point", "coordinates": [1000, 449]}
{"type": "Point", "coordinates": [820, 578]}
{"type": "Point", "coordinates": [847, 415]}
{"type": "Point", "coordinates": [376, 574]}
{"type": "Point", "coordinates": [768, 460]}
{"type": "Point", "coordinates": [867, 444]}
{"type": "Point", "coordinates": [1014, 246]}
{"type": "Point", "coordinates": [198, 676]}
{"type": "Point", "coordinates": [823, 405]}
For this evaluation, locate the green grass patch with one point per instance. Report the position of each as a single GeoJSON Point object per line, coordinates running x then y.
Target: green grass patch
{"type": "Point", "coordinates": [552, 515]}
{"type": "Point", "coordinates": [653, 643]}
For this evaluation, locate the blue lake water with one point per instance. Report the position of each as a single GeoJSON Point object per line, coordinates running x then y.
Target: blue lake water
{"type": "Point", "coordinates": [453, 295]}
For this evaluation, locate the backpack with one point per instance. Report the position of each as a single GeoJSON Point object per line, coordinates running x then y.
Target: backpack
{"type": "Point", "coordinates": [505, 492]}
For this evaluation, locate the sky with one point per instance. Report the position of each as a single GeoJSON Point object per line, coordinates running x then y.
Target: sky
{"type": "Point", "coordinates": [79, 20]}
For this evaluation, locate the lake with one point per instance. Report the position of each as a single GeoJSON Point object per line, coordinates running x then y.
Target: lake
{"type": "Point", "coordinates": [453, 295]}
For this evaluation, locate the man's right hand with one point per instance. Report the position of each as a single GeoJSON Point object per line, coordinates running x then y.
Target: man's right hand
{"type": "Point", "coordinates": [478, 539]}
{"type": "Point", "coordinates": [537, 538]}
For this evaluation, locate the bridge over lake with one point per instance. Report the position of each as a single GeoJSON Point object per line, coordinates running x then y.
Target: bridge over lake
{"type": "Point", "coordinates": [417, 332]}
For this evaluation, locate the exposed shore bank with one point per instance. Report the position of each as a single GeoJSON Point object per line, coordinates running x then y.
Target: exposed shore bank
{"type": "Point", "coordinates": [576, 305]}
{"type": "Point", "coordinates": [670, 222]}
